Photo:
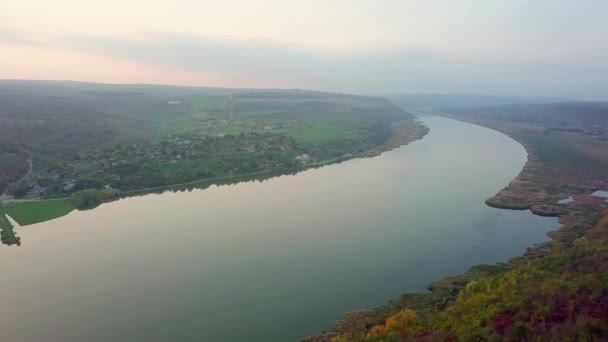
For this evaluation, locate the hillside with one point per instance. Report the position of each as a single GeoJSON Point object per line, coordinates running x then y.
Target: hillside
{"type": "Point", "coordinates": [82, 136]}
{"type": "Point", "coordinates": [422, 102]}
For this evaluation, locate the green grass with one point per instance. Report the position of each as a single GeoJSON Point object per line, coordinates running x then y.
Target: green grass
{"type": "Point", "coordinates": [261, 112]}
{"type": "Point", "coordinates": [323, 135]}
{"type": "Point", "coordinates": [203, 101]}
{"type": "Point", "coordinates": [326, 129]}
{"type": "Point", "coordinates": [233, 129]}
{"type": "Point", "coordinates": [26, 213]}
{"type": "Point", "coordinates": [311, 131]}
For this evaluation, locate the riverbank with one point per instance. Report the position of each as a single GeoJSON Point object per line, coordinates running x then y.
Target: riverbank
{"type": "Point", "coordinates": [543, 182]}
{"type": "Point", "coordinates": [27, 212]}
{"type": "Point", "coordinates": [538, 187]}
{"type": "Point", "coordinates": [301, 249]}
{"type": "Point", "coordinates": [401, 134]}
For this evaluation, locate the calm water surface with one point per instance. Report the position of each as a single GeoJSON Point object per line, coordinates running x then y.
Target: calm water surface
{"type": "Point", "coordinates": [269, 261]}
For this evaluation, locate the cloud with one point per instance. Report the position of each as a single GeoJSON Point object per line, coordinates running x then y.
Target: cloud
{"type": "Point", "coordinates": [8, 36]}
{"type": "Point", "coordinates": [202, 54]}
{"type": "Point", "coordinates": [408, 69]}
{"type": "Point", "coordinates": [362, 70]}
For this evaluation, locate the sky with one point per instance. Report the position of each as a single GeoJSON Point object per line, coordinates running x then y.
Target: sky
{"type": "Point", "coordinates": [498, 47]}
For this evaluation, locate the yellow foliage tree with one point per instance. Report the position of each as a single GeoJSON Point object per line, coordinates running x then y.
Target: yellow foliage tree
{"type": "Point", "coordinates": [377, 330]}
{"type": "Point", "coordinates": [340, 339]}
{"type": "Point", "coordinates": [401, 320]}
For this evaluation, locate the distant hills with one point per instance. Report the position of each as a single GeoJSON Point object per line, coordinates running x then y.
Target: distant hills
{"type": "Point", "coordinates": [412, 100]}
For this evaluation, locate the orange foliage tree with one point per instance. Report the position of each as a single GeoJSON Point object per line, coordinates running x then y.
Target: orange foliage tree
{"type": "Point", "coordinates": [398, 322]}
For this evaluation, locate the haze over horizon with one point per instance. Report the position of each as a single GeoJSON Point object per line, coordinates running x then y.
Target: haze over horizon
{"type": "Point", "coordinates": [516, 47]}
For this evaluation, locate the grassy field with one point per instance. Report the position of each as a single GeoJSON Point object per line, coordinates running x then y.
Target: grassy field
{"type": "Point", "coordinates": [310, 131]}
{"type": "Point", "coordinates": [261, 112]}
{"type": "Point", "coordinates": [311, 119]}
{"type": "Point", "coordinates": [207, 101]}
{"type": "Point", "coordinates": [330, 128]}
{"type": "Point", "coordinates": [26, 213]}
{"type": "Point", "coordinates": [235, 129]}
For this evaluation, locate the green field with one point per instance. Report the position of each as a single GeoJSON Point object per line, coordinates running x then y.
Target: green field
{"type": "Point", "coordinates": [261, 112]}
{"type": "Point", "coordinates": [309, 131]}
{"type": "Point", "coordinates": [26, 213]}
{"type": "Point", "coordinates": [234, 129]}
{"type": "Point", "coordinates": [207, 101]}
{"type": "Point", "coordinates": [330, 128]}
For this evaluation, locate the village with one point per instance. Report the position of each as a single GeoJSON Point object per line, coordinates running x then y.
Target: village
{"type": "Point", "coordinates": [176, 159]}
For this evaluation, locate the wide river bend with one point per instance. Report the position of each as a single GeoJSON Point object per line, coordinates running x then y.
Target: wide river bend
{"type": "Point", "coordinates": [269, 261]}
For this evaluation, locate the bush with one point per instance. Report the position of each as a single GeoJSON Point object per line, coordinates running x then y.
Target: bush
{"type": "Point", "coordinates": [90, 198]}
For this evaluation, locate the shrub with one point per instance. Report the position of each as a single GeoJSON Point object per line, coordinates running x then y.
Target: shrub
{"type": "Point", "coordinates": [90, 198]}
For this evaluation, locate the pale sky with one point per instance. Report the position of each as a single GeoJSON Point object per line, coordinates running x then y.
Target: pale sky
{"type": "Point", "coordinates": [501, 47]}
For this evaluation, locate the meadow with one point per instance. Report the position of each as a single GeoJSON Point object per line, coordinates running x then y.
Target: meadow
{"type": "Point", "coordinates": [26, 213]}
{"type": "Point", "coordinates": [310, 118]}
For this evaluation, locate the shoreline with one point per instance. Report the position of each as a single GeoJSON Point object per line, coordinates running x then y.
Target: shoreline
{"type": "Point", "coordinates": [539, 186]}
{"type": "Point", "coordinates": [401, 135]}
{"type": "Point", "coordinates": [402, 138]}
{"type": "Point", "coordinates": [520, 194]}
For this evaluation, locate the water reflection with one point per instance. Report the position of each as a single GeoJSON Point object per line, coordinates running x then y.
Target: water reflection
{"type": "Point", "coordinates": [232, 180]}
{"type": "Point", "coordinates": [9, 237]}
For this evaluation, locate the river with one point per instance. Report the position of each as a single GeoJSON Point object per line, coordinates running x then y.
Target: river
{"type": "Point", "coordinates": [269, 261]}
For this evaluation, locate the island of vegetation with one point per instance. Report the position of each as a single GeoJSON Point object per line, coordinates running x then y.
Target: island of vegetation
{"type": "Point", "coordinates": [555, 291]}
{"type": "Point", "coordinates": [71, 145]}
